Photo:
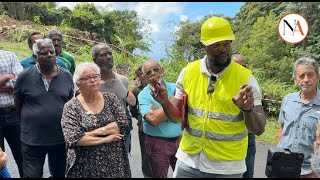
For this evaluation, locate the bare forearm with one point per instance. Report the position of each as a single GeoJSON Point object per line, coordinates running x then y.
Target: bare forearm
{"type": "Point", "coordinates": [111, 128]}
{"type": "Point", "coordinates": [172, 111]}
{"type": "Point", "coordinates": [131, 99]}
{"type": "Point", "coordinates": [4, 89]}
{"type": "Point", "coordinates": [255, 120]}
{"type": "Point", "coordinates": [156, 117]}
{"type": "Point", "coordinates": [279, 136]}
{"type": "Point", "coordinates": [88, 140]}
{"type": "Point", "coordinates": [4, 78]}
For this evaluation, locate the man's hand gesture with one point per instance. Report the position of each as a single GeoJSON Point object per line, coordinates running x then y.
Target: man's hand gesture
{"type": "Point", "coordinates": [158, 91]}
{"type": "Point", "coordinates": [244, 99]}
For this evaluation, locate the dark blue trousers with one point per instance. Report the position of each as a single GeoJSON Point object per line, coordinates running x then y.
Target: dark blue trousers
{"type": "Point", "coordinates": [250, 156]}
{"type": "Point", "coordinates": [10, 129]}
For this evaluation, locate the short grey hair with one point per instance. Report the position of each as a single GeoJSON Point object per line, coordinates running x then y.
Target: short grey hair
{"type": "Point", "coordinates": [80, 68]}
{"type": "Point", "coordinates": [54, 32]}
{"type": "Point", "coordinates": [37, 44]}
{"type": "Point", "coordinates": [97, 48]}
{"type": "Point", "coordinates": [305, 61]}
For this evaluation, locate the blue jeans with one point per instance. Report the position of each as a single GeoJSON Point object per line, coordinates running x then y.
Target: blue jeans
{"type": "Point", "coordinates": [184, 171]}
{"type": "Point", "coordinates": [250, 156]}
{"type": "Point", "coordinates": [10, 129]}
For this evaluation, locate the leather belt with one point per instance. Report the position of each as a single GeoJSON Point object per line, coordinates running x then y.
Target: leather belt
{"type": "Point", "coordinates": [165, 139]}
{"type": "Point", "coordinates": [7, 109]}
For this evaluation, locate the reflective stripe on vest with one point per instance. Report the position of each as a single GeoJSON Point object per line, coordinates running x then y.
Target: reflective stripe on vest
{"type": "Point", "coordinates": [215, 115]}
{"type": "Point", "coordinates": [226, 137]}
{"type": "Point", "coordinates": [216, 136]}
{"type": "Point", "coordinates": [216, 124]}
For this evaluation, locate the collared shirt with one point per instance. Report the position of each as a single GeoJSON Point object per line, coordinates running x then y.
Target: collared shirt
{"type": "Point", "coordinates": [200, 161]}
{"type": "Point", "coordinates": [30, 61]}
{"type": "Point", "coordinates": [42, 109]}
{"type": "Point", "coordinates": [298, 122]}
{"type": "Point", "coordinates": [203, 69]}
{"type": "Point", "coordinates": [166, 129]}
{"type": "Point", "coordinates": [43, 77]}
{"type": "Point", "coordinates": [9, 64]}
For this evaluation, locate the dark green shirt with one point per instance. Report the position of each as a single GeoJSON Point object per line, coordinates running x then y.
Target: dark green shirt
{"type": "Point", "coordinates": [71, 60]}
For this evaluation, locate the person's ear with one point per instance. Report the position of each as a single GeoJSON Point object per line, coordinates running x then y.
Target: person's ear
{"type": "Point", "coordinates": [295, 82]}
{"type": "Point", "coordinates": [162, 70]}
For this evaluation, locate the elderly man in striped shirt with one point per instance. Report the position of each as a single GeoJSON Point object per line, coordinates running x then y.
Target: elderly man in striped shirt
{"type": "Point", "coordinates": [10, 67]}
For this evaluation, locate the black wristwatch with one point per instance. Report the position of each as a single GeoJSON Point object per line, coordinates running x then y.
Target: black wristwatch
{"type": "Point", "coordinates": [248, 110]}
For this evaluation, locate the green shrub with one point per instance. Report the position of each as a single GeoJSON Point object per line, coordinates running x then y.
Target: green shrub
{"type": "Point", "coordinates": [271, 131]}
{"type": "Point", "coordinates": [18, 34]}
{"type": "Point", "coordinates": [275, 90]}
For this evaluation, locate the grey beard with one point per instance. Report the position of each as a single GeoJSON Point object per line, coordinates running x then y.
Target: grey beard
{"type": "Point", "coordinates": [106, 67]}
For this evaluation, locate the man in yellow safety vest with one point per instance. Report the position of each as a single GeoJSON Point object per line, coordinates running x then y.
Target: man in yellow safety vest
{"type": "Point", "coordinates": [223, 104]}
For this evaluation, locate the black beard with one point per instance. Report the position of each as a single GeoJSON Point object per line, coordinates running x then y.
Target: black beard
{"type": "Point", "coordinates": [213, 63]}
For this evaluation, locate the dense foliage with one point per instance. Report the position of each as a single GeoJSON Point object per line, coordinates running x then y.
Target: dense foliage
{"type": "Point", "coordinates": [121, 28]}
{"type": "Point", "coordinates": [269, 57]}
{"type": "Point", "coordinates": [255, 27]}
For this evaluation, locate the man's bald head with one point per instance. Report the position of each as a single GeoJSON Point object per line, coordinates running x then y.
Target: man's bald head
{"type": "Point", "coordinates": [238, 58]}
{"type": "Point", "coordinates": [151, 62]}
{"type": "Point", "coordinates": [152, 69]}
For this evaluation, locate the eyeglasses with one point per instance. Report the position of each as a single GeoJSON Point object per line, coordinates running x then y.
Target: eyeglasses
{"type": "Point", "coordinates": [88, 79]}
{"type": "Point", "coordinates": [149, 72]}
{"type": "Point", "coordinates": [212, 80]}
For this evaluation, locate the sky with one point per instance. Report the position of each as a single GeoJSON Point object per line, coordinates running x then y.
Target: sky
{"type": "Point", "coordinates": [165, 17]}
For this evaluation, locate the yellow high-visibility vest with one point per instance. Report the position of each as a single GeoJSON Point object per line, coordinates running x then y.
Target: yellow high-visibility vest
{"type": "Point", "coordinates": [215, 124]}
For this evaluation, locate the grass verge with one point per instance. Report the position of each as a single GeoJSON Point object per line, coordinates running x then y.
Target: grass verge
{"type": "Point", "coordinates": [271, 130]}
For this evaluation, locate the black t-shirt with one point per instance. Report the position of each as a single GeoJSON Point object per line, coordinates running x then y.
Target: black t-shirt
{"type": "Point", "coordinates": [41, 109]}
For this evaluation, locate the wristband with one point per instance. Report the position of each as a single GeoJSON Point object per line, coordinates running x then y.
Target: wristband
{"type": "Point", "coordinates": [104, 131]}
{"type": "Point", "coordinates": [248, 110]}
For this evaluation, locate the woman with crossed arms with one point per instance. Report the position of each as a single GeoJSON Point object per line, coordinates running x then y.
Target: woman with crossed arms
{"type": "Point", "coordinates": [93, 124]}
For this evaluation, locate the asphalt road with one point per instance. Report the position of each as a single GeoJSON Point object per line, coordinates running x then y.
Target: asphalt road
{"type": "Point", "coordinates": [135, 159]}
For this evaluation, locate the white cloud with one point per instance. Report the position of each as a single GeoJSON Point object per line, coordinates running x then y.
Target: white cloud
{"type": "Point", "coordinates": [198, 18]}
{"type": "Point", "coordinates": [183, 17]}
{"type": "Point", "coordinates": [157, 12]}
{"type": "Point", "coordinates": [155, 27]}
{"type": "Point", "coordinates": [69, 5]}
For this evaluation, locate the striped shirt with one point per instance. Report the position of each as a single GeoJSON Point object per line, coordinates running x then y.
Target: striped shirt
{"type": "Point", "coordinates": [9, 64]}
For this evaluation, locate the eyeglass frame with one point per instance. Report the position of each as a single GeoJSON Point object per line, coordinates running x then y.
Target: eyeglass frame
{"type": "Point", "coordinates": [149, 72]}
{"type": "Point", "coordinates": [88, 79]}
